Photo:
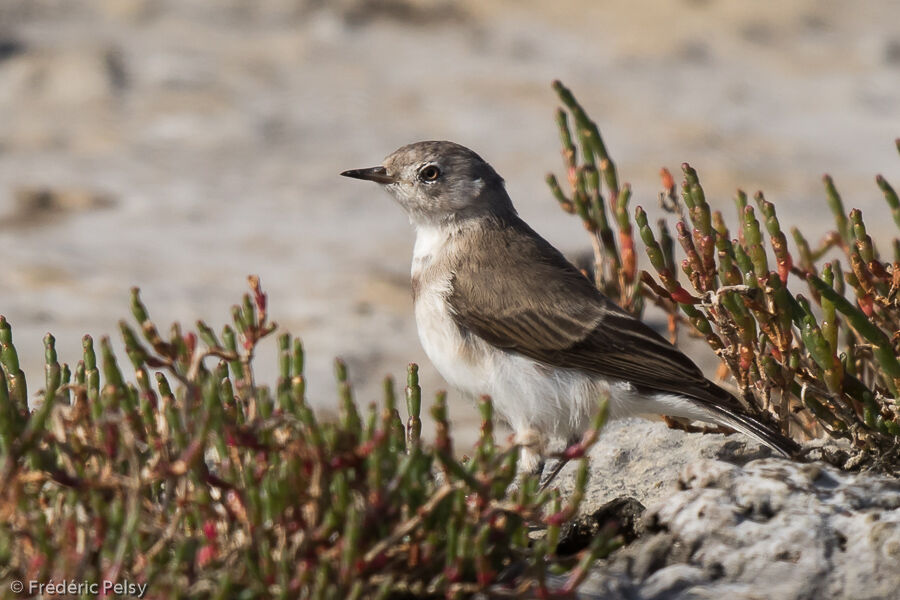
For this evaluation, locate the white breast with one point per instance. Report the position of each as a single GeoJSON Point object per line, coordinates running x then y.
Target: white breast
{"type": "Point", "coordinates": [430, 241]}
{"type": "Point", "coordinates": [461, 362]}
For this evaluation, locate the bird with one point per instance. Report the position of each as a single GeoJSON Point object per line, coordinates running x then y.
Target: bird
{"type": "Point", "coordinates": [501, 312]}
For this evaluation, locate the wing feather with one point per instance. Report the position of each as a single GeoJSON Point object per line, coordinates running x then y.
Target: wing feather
{"type": "Point", "coordinates": [542, 307]}
{"type": "Point", "coordinates": [550, 312]}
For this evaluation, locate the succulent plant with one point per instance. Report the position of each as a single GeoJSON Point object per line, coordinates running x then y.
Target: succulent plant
{"type": "Point", "coordinates": [184, 473]}
{"type": "Point", "coordinates": [811, 341]}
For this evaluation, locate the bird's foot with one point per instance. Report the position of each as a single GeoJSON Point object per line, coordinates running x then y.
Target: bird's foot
{"type": "Point", "coordinates": [532, 447]}
{"type": "Point", "coordinates": [685, 425]}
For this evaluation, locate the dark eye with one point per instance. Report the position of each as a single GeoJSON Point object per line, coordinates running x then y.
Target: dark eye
{"type": "Point", "coordinates": [429, 173]}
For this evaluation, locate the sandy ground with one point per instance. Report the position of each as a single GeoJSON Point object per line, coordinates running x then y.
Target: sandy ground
{"type": "Point", "coordinates": [188, 143]}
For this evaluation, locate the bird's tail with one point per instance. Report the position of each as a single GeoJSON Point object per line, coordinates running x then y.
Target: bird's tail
{"type": "Point", "coordinates": [751, 426]}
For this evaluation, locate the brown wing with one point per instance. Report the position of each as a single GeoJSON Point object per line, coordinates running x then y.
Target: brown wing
{"type": "Point", "coordinates": [544, 308]}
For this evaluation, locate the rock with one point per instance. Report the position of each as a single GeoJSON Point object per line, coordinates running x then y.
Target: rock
{"type": "Point", "coordinates": [42, 205]}
{"type": "Point", "coordinates": [641, 459]}
{"type": "Point", "coordinates": [10, 46]}
{"type": "Point", "coordinates": [57, 79]}
{"type": "Point", "coordinates": [622, 515]}
{"type": "Point", "coordinates": [409, 12]}
{"type": "Point", "coordinates": [726, 520]}
{"type": "Point", "coordinates": [63, 98]}
{"type": "Point", "coordinates": [771, 528]}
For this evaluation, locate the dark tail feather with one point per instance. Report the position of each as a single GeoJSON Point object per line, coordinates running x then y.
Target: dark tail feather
{"type": "Point", "coordinates": [757, 430]}
{"type": "Point", "coordinates": [724, 409]}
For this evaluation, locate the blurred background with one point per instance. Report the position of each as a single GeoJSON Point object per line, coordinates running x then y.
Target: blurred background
{"type": "Point", "coordinates": [179, 145]}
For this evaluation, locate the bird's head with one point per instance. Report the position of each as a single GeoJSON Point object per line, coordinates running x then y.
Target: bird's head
{"type": "Point", "coordinates": [440, 182]}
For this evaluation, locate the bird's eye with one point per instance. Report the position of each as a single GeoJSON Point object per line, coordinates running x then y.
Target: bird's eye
{"type": "Point", "coordinates": [429, 173]}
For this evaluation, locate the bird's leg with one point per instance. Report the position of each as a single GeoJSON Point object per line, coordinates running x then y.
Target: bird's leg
{"type": "Point", "coordinates": [532, 447]}
{"type": "Point", "coordinates": [561, 462]}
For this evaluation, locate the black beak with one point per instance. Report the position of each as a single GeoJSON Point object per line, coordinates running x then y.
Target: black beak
{"type": "Point", "coordinates": [376, 174]}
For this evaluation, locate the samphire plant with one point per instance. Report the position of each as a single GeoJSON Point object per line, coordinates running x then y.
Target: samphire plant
{"type": "Point", "coordinates": [809, 335]}
{"type": "Point", "coordinates": [185, 474]}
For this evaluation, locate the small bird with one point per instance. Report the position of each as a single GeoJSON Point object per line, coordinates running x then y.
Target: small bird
{"type": "Point", "coordinates": [501, 312]}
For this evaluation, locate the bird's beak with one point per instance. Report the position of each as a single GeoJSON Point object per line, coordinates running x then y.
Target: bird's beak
{"type": "Point", "coordinates": [376, 174]}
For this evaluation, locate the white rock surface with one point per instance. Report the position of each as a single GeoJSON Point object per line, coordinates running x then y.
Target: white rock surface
{"type": "Point", "coordinates": [723, 523]}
